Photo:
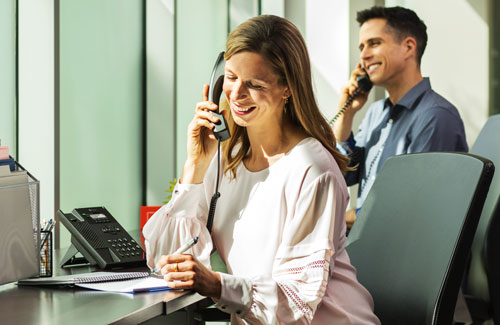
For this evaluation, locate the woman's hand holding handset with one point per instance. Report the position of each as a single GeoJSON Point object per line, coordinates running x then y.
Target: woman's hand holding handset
{"type": "Point", "coordinates": [201, 142]}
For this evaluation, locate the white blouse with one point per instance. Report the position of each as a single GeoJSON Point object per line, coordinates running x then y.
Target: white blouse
{"type": "Point", "coordinates": [281, 233]}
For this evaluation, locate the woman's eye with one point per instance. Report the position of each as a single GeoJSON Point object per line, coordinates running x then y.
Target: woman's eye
{"type": "Point", "coordinates": [231, 77]}
{"type": "Point", "coordinates": [251, 85]}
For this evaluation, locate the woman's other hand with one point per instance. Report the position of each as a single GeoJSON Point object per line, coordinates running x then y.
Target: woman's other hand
{"type": "Point", "coordinates": [183, 271]}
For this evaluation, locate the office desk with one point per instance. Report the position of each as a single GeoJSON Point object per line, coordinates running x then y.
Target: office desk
{"type": "Point", "coordinates": [52, 305]}
{"type": "Point", "coordinates": [37, 305]}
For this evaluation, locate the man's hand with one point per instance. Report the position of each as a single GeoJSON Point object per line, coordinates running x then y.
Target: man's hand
{"type": "Point", "coordinates": [350, 217]}
{"type": "Point", "coordinates": [349, 89]}
{"type": "Point", "coordinates": [343, 125]}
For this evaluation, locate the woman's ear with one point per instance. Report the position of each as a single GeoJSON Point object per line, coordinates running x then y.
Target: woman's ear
{"type": "Point", "coordinates": [286, 93]}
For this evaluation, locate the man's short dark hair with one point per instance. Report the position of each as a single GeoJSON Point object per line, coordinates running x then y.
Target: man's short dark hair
{"type": "Point", "coordinates": [403, 21]}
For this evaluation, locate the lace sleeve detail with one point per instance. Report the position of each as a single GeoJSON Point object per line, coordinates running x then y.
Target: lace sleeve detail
{"type": "Point", "coordinates": [302, 288]}
{"type": "Point", "coordinates": [290, 296]}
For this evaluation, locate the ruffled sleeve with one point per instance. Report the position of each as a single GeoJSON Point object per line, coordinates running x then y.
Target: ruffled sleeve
{"type": "Point", "coordinates": [302, 265]}
{"type": "Point", "coordinates": [184, 217]}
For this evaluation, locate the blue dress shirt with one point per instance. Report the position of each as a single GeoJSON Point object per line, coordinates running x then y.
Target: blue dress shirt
{"type": "Point", "coordinates": [421, 121]}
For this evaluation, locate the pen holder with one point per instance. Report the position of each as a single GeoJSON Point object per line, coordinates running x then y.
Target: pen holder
{"type": "Point", "coordinates": [46, 254]}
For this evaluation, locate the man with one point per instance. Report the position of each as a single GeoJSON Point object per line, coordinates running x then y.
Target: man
{"type": "Point", "coordinates": [413, 118]}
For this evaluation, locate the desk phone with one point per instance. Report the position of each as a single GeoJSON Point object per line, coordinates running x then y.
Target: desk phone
{"type": "Point", "coordinates": [101, 240]}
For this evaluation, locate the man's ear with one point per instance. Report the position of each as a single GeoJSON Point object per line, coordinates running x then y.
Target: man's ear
{"type": "Point", "coordinates": [410, 47]}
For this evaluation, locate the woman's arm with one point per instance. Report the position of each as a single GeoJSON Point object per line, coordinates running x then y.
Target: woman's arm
{"type": "Point", "coordinates": [185, 216]}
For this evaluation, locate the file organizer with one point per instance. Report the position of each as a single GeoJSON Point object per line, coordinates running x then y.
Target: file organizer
{"type": "Point", "coordinates": [19, 225]}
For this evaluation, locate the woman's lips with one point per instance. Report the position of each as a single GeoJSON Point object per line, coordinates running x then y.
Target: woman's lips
{"type": "Point", "coordinates": [242, 110]}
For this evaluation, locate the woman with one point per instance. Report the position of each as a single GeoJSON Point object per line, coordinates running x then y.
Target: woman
{"type": "Point", "coordinates": [280, 221]}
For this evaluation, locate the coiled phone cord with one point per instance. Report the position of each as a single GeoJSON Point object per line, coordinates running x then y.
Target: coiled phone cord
{"type": "Point", "coordinates": [215, 197]}
{"type": "Point", "coordinates": [346, 105]}
{"type": "Point", "coordinates": [364, 84]}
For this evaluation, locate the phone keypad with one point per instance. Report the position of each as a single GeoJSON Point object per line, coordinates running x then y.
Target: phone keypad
{"type": "Point", "coordinates": [125, 247]}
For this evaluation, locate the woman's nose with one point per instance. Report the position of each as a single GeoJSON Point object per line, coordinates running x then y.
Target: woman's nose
{"type": "Point", "coordinates": [238, 90]}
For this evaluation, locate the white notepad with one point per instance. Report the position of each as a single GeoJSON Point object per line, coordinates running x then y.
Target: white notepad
{"type": "Point", "coordinates": [147, 284]}
{"type": "Point", "coordinates": [125, 282]}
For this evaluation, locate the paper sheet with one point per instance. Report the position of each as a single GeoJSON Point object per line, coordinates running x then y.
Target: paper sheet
{"type": "Point", "coordinates": [129, 286]}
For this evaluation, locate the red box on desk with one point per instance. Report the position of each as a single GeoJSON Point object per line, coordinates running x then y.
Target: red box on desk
{"type": "Point", "coordinates": [146, 212]}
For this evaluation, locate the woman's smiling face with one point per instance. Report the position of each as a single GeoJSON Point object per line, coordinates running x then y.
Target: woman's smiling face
{"type": "Point", "coordinates": [252, 90]}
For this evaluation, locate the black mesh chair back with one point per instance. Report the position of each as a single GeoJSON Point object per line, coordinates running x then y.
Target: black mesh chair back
{"type": "Point", "coordinates": [482, 287]}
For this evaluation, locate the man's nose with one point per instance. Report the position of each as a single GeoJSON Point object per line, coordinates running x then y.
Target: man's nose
{"type": "Point", "coordinates": [365, 53]}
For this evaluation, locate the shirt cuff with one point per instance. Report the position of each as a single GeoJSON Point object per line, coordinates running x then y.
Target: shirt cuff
{"type": "Point", "coordinates": [347, 146]}
{"type": "Point", "coordinates": [236, 295]}
{"type": "Point", "coordinates": [182, 197]}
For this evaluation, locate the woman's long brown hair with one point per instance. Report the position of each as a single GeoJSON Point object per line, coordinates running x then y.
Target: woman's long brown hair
{"type": "Point", "coordinates": [279, 42]}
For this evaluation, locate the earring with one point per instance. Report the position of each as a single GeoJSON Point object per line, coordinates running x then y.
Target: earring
{"type": "Point", "coordinates": [286, 105]}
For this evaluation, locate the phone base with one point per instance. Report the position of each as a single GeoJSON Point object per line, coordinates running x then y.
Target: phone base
{"type": "Point", "coordinates": [70, 259]}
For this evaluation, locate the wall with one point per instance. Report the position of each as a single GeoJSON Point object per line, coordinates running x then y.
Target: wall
{"type": "Point", "coordinates": [36, 96]}
{"type": "Point", "coordinates": [8, 75]}
{"type": "Point", "coordinates": [201, 31]}
{"type": "Point", "coordinates": [160, 81]}
{"type": "Point", "coordinates": [328, 44]}
{"type": "Point", "coordinates": [101, 55]}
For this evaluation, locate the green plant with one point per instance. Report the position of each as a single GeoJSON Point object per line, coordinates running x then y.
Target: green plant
{"type": "Point", "coordinates": [170, 190]}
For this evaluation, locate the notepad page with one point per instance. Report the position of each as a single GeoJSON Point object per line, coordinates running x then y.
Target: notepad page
{"type": "Point", "coordinates": [84, 277]}
{"type": "Point", "coordinates": [128, 286]}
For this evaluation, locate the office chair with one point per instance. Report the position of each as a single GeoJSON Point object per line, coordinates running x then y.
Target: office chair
{"type": "Point", "coordinates": [482, 283]}
{"type": "Point", "coordinates": [412, 238]}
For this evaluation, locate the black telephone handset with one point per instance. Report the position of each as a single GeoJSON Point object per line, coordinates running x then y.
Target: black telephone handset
{"type": "Point", "coordinates": [364, 85]}
{"type": "Point", "coordinates": [101, 240]}
{"type": "Point", "coordinates": [220, 130]}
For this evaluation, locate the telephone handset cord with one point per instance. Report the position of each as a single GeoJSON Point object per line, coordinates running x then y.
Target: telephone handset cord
{"type": "Point", "coordinates": [364, 84]}
{"type": "Point", "coordinates": [215, 197]}
{"type": "Point", "coordinates": [346, 105]}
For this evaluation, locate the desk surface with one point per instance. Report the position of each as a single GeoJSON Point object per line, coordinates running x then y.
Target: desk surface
{"type": "Point", "coordinates": [52, 305]}
{"type": "Point", "coordinates": [36, 305]}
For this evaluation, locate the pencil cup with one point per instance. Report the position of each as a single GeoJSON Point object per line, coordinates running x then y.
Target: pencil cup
{"type": "Point", "coordinates": [46, 254]}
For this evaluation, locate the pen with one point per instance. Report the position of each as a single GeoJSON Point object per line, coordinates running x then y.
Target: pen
{"type": "Point", "coordinates": [181, 250]}
{"type": "Point", "coordinates": [47, 228]}
{"type": "Point", "coordinates": [186, 246]}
